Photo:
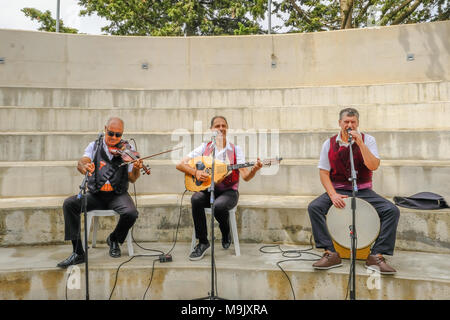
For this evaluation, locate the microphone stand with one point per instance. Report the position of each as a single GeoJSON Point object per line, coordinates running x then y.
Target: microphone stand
{"type": "Point", "coordinates": [82, 195]}
{"type": "Point", "coordinates": [211, 294]}
{"type": "Point", "coordinates": [353, 236]}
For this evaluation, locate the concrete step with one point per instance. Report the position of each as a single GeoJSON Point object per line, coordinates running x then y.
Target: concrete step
{"type": "Point", "coordinates": [268, 219]}
{"type": "Point", "coordinates": [226, 98]}
{"type": "Point", "coordinates": [434, 114]}
{"type": "Point", "coordinates": [401, 145]}
{"type": "Point", "coordinates": [30, 273]}
{"type": "Point", "coordinates": [292, 177]}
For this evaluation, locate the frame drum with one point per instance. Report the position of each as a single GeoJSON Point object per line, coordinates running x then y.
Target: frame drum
{"type": "Point", "coordinates": [367, 223]}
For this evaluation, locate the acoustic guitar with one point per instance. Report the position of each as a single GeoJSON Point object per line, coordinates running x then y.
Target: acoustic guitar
{"type": "Point", "coordinates": [221, 171]}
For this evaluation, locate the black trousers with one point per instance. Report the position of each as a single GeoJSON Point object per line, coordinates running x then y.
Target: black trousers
{"type": "Point", "coordinates": [224, 201]}
{"type": "Point", "coordinates": [387, 211]}
{"type": "Point", "coordinates": [122, 204]}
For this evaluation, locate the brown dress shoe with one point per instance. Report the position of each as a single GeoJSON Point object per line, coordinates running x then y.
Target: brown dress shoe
{"type": "Point", "coordinates": [328, 261]}
{"type": "Point", "coordinates": [376, 262]}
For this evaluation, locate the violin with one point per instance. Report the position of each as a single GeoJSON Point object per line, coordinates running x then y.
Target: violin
{"type": "Point", "coordinates": [123, 150]}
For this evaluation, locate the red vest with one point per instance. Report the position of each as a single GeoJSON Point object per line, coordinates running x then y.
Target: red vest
{"type": "Point", "coordinates": [340, 163]}
{"type": "Point", "coordinates": [233, 179]}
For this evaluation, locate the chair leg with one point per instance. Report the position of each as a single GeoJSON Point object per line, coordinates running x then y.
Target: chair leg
{"type": "Point", "coordinates": [94, 233]}
{"type": "Point", "coordinates": [130, 244]}
{"type": "Point", "coordinates": [233, 225]}
{"type": "Point", "coordinates": [88, 226]}
{"type": "Point", "coordinates": [194, 240]}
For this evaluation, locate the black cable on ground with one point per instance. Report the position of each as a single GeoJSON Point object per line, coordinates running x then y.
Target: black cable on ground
{"type": "Point", "coordinates": [159, 252]}
{"type": "Point", "coordinates": [288, 254]}
{"type": "Point", "coordinates": [151, 278]}
{"type": "Point", "coordinates": [178, 223]}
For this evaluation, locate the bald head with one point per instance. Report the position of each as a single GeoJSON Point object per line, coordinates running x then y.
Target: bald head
{"type": "Point", "coordinates": [115, 121]}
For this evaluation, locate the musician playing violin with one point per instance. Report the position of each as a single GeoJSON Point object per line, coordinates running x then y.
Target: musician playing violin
{"type": "Point", "coordinates": [225, 192]}
{"type": "Point", "coordinates": [107, 190]}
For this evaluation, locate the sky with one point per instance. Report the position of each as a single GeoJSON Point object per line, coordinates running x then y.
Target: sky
{"type": "Point", "coordinates": [12, 18]}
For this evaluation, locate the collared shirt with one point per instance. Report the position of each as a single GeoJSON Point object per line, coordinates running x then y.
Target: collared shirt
{"type": "Point", "coordinates": [324, 161]}
{"type": "Point", "coordinates": [220, 155]}
{"type": "Point", "coordinates": [89, 152]}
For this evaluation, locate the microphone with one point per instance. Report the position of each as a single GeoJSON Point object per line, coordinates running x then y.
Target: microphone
{"type": "Point", "coordinates": [349, 135]}
{"type": "Point", "coordinates": [215, 133]}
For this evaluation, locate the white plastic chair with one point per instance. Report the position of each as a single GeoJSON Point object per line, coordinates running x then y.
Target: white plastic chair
{"type": "Point", "coordinates": [233, 227]}
{"type": "Point", "coordinates": [104, 213]}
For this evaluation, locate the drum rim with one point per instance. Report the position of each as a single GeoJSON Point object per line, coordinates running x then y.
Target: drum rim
{"type": "Point", "coordinates": [348, 202]}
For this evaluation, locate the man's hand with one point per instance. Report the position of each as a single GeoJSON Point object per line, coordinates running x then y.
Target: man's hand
{"type": "Point", "coordinates": [137, 164]}
{"type": "Point", "coordinates": [356, 136]}
{"type": "Point", "coordinates": [338, 201]}
{"type": "Point", "coordinates": [201, 175]}
{"type": "Point", "coordinates": [257, 166]}
{"type": "Point", "coordinates": [88, 167]}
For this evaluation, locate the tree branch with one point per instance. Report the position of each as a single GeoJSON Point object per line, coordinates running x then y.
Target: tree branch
{"type": "Point", "coordinates": [364, 10]}
{"type": "Point", "coordinates": [386, 19]}
{"type": "Point", "coordinates": [444, 15]}
{"type": "Point", "coordinates": [407, 13]}
{"type": "Point", "coordinates": [300, 11]}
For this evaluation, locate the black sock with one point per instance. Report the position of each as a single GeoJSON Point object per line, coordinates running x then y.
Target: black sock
{"type": "Point", "coordinates": [77, 247]}
{"type": "Point", "coordinates": [204, 241]}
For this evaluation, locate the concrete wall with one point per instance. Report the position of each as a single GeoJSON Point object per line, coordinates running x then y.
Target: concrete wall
{"type": "Point", "coordinates": [361, 56]}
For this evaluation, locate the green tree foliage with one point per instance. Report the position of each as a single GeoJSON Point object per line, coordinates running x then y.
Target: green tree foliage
{"type": "Point", "coordinates": [239, 17]}
{"type": "Point", "coordinates": [178, 17]}
{"type": "Point", "coordinates": [46, 21]}
{"type": "Point", "coordinates": [322, 15]}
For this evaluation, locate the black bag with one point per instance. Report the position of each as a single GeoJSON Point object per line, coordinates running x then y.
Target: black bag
{"type": "Point", "coordinates": [422, 200]}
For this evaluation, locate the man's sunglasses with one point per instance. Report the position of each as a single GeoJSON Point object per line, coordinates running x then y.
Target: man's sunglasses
{"type": "Point", "coordinates": [112, 134]}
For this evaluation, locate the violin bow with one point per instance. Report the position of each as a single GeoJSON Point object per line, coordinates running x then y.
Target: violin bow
{"type": "Point", "coordinates": [150, 156]}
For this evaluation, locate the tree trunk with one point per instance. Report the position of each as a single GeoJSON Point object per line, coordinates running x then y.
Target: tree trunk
{"type": "Point", "coordinates": [346, 13]}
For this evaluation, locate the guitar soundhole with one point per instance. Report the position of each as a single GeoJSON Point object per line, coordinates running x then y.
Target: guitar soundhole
{"type": "Point", "coordinates": [200, 166]}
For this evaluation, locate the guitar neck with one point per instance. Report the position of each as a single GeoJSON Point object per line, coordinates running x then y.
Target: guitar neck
{"type": "Point", "coordinates": [266, 162]}
{"type": "Point", "coordinates": [242, 165]}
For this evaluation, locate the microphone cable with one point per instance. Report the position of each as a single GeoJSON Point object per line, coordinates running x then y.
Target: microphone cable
{"type": "Point", "coordinates": [159, 252]}
{"type": "Point", "coordinates": [289, 254]}
{"type": "Point", "coordinates": [173, 246]}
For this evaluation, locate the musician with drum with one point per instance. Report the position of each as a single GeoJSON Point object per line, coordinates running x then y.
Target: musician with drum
{"type": "Point", "coordinates": [225, 192]}
{"type": "Point", "coordinates": [108, 185]}
{"type": "Point", "coordinates": [335, 171]}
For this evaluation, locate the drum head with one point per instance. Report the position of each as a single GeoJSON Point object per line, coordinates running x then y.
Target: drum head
{"type": "Point", "coordinates": [367, 223]}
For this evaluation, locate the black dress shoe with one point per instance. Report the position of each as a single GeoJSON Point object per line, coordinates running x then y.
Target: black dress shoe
{"type": "Point", "coordinates": [199, 251]}
{"type": "Point", "coordinates": [114, 248]}
{"type": "Point", "coordinates": [226, 242]}
{"type": "Point", "coordinates": [73, 259]}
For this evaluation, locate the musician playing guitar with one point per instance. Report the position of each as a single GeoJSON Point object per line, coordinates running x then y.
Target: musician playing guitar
{"type": "Point", "coordinates": [225, 192]}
